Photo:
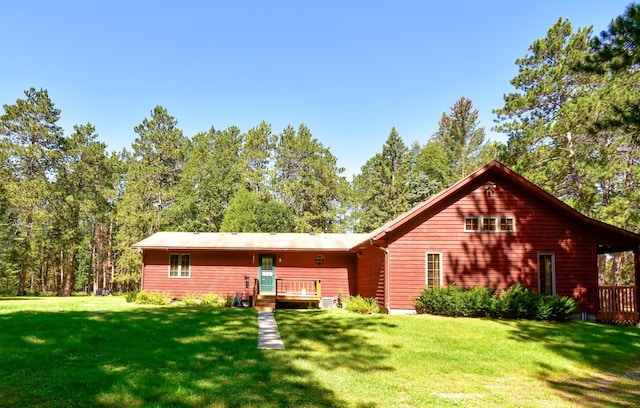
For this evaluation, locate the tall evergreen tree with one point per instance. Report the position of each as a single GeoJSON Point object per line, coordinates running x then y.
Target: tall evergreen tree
{"type": "Point", "coordinates": [85, 186]}
{"type": "Point", "coordinates": [153, 172]}
{"type": "Point", "coordinates": [211, 176]}
{"type": "Point", "coordinates": [429, 171]}
{"type": "Point", "coordinates": [462, 139]}
{"type": "Point", "coordinates": [307, 179]}
{"type": "Point", "coordinates": [257, 158]}
{"type": "Point", "coordinates": [247, 213]}
{"type": "Point", "coordinates": [573, 125]}
{"type": "Point", "coordinates": [31, 144]}
{"type": "Point", "coordinates": [538, 147]}
{"type": "Point", "coordinates": [611, 116]}
{"type": "Point", "coordinates": [381, 187]}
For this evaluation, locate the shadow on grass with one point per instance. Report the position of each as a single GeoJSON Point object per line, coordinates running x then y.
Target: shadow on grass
{"type": "Point", "coordinates": [175, 356]}
{"type": "Point", "coordinates": [333, 339]}
{"type": "Point", "coordinates": [613, 353]}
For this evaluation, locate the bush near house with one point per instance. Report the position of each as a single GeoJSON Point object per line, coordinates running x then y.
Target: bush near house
{"type": "Point", "coordinates": [516, 302]}
{"type": "Point", "coordinates": [362, 305]}
{"type": "Point", "coordinates": [148, 298]}
{"type": "Point", "coordinates": [155, 298]}
{"type": "Point", "coordinates": [207, 300]}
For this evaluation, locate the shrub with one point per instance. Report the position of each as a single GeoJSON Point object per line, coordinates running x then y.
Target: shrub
{"type": "Point", "coordinates": [7, 291]}
{"type": "Point", "coordinates": [214, 300]}
{"type": "Point", "coordinates": [478, 300]}
{"type": "Point", "coordinates": [363, 305]}
{"type": "Point", "coordinates": [455, 301]}
{"type": "Point", "coordinates": [209, 300]}
{"type": "Point", "coordinates": [516, 302]}
{"type": "Point", "coordinates": [130, 297]}
{"type": "Point", "coordinates": [190, 299]}
{"type": "Point", "coordinates": [559, 308]}
{"type": "Point", "coordinates": [152, 298]}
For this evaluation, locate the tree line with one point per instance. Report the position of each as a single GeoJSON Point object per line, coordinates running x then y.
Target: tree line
{"type": "Point", "coordinates": [70, 210]}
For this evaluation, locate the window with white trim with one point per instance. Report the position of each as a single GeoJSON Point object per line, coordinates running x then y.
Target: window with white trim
{"type": "Point", "coordinates": [434, 269]}
{"type": "Point", "coordinates": [507, 224]}
{"type": "Point", "coordinates": [179, 265]}
{"type": "Point", "coordinates": [489, 224]}
{"type": "Point", "coordinates": [547, 274]}
{"type": "Point", "coordinates": [472, 224]}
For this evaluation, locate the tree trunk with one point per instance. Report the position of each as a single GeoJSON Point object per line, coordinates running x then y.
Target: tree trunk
{"type": "Point", "coordinates": [70, 277]}
{"type": "Point", "coordinates": [22, 280]}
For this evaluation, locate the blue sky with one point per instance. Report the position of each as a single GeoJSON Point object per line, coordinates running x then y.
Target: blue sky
{"type": "Point", "coordinates": [349, 70]}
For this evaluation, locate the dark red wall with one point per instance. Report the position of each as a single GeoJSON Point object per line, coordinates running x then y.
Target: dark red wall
{"type": "Point", "coordinates": [223, 272]}
{"type": "Point", "coordinates": [496, 259]}
{"type": "Point", "coordinates": [370, 278]}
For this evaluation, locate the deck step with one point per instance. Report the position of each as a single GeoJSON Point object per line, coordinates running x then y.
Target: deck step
{"type": "Point", "coordinates": [265, 303]}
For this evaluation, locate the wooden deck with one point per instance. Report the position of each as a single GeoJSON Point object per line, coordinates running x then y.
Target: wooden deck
{"type": "Point", "coordinates": [618, 305]}
{"type": "Point", "coordinates": [298, 292]}
{"type": "Point", "coordinates": [289, 292]}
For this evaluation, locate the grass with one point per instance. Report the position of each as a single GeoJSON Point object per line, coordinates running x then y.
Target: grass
{"type": "Point", "coordinates": [104, 352]}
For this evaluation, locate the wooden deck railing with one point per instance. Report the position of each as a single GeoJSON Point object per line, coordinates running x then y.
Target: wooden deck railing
{"type": "Point", "coordinates": [298, 288]}
{"type": "Point", "coordinates": [617, 304]}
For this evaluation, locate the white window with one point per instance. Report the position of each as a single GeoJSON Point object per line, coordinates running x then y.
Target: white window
{"type": "Point", "coordinates": [472, 224]}
{"type": "Point", "coordinates": [489, 224]}
{"type": "Point", "coordinates": [434, 269]}
{"type": "Point", "coordinates": [179, 265]}
{"type": "Point", "coordinates": [507, 224]}
{"type": "Point", "coordinates": [546, 274]}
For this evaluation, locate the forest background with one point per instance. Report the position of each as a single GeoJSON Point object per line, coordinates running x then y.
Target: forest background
{"type": "Point", "coordinates": [70, 210]}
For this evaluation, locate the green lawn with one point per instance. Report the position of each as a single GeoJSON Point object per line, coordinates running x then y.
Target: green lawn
{"type": "Point", "coordinates": [87, 351]}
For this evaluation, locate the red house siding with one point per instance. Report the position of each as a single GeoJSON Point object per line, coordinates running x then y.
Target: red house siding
{"type": "Point", "coordinates": [496, 259]}
{"type": "Point", "coordinates": [396, 272]}
{"type": "Point", "coordinates": [335, 272]}
{"type": "Point", "coordinates": [210, 272]}
{"type": "Point", "coordinates": [223, 272]}
{"type": "Point", "coordinates": [371, 274]}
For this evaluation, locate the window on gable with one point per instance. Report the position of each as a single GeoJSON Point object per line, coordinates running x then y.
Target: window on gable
{"type": "Point", "coordinates": [507, 224]}
{"type": "Point", "coordinates": [434, 270]}
{"type": "Point", "coordinates": [488, 224]}
{"type": "Point", "coordinates": [472, 224]}
{"type": "Point", "coordinates": [179, 265]}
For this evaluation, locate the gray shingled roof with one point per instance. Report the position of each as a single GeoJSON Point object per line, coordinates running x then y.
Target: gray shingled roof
{"type": "Point", "coordinates": [254, 241]}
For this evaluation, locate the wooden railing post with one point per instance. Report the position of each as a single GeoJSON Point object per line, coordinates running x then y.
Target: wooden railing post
{"type": "Point", "coordinates": [319, 288]}
{"type": "Point", "coordinates": [256, 287]}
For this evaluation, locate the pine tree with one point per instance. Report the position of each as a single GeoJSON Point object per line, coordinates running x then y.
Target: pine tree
{"type": "Point", "coordinates": [246, 213]}
{"type": "Point", "coordinates": [381, 188]}
{"type": "Point", "coordinates": [462, 139]}
{"type": "Point", "coordinates": [85, 186]}
{"type": "Point", "coordinates": [307, 180]}
{"type": "Point", "coordinates": [542, 144]}
{"type": "Point", "coordinates": [31, 145]}
{"type": "Point", "coordinates": [152, 174]}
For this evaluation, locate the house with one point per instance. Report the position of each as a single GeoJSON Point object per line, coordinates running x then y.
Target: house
{"type": "Point", "coordinates": [492, 228]}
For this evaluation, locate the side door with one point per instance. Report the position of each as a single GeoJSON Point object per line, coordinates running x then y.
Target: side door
{"type": "Point", "coordinates": [267, 274]}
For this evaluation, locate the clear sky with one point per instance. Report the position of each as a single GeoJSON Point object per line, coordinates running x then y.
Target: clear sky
{"type": "Point", "coordinates": [349, 70]}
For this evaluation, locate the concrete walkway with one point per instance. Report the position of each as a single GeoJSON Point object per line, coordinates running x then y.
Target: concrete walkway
{"type": "Point", "coordinates": [268, 335]}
